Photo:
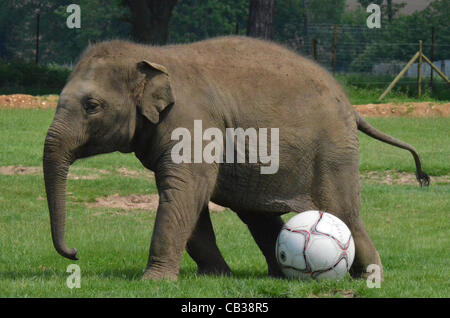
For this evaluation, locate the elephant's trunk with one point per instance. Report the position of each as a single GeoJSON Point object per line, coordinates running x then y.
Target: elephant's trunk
{"type": "Point", "coordinates": [57, 159]}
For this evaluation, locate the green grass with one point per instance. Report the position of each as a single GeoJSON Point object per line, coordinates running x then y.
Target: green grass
{"type": "Point", "coordinates": [408, 224]}
{"type": "Point", "coordinates": [429, 136]}
{"type": "Point", "coordinates": [367, 88]}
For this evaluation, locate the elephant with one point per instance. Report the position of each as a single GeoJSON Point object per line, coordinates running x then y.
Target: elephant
{"type": "Point", "coordinates": [129, 97]}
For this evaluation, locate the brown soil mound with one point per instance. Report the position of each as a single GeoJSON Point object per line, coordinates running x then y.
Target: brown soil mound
{"type": "Point", "coordinates": [423, 109]}
{"type": "Point", "coordinates": [28, 101]}
{"type": "Point", "coordinates": [138, 202]}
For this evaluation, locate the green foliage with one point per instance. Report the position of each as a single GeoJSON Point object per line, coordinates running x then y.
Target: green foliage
{"type": "Point", "coordinates": [290, 18]}
{"type": "Point", "coordinates": [370, 88]}
{"type": "Point", "coordinates": [194, 20]}
{"type": "Point", "coordinates": [100, 20]}
{"type": "Point", "coordinates": [326, 11]}
{"type": "Point", "coordinates": [20, 77]}
{"type": "Point", "coordinates": [398, 40]}
{"type": "Point", "coordinates": [358, 48]}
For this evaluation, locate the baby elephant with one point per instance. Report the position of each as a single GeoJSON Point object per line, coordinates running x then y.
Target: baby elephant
{"type": "Point", "coordinates": [203, 116]}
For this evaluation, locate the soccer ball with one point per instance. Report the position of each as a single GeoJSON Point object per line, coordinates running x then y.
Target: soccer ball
{"type": "Point", "coordinates": [315, 244]}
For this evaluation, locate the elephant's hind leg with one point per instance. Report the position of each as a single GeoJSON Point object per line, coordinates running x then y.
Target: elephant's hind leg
{"type": "Point", "coordinates": [203, 249]}
{"type": "Point", "coordinates": [365, 252]}
{"type": "Point", "coordinates": [265, 229]}
{"type": "Point", "coordinates": [337, 191]}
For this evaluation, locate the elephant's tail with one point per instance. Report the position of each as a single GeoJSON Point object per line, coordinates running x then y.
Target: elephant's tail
{"type": "Point", "coordinates": [366, 128]}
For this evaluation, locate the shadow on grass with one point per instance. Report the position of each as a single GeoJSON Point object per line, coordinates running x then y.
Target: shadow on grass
{"type": "Point", "coordinates": [124, 274]}
{"type": "Point", "coordinates": [249, 274]}
{"type": "Point", "coordinates": [128, 274]}
{"type": "Point", "coordinates": [29, 275]}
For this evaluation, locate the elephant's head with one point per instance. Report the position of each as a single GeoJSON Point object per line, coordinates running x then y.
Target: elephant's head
{"type": "Point", "coordinates": [98, 112]}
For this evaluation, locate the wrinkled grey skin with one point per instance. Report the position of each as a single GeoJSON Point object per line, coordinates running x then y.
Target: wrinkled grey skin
{"type": "Point", "coordinates": [129, 98]}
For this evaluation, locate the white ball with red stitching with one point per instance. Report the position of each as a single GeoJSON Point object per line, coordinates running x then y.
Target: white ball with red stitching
{"type": "Point", "coordinates": [315, 244]}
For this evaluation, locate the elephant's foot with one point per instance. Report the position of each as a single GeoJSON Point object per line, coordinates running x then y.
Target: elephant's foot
{"type": "Point", "coordinates": [157, 275]}
{"type": "Point", "coordinates": [360, 270]}
{"type": "Point", "coordinates": [160, 271]}
{"type": "Point", "coordinates": [366, 256]}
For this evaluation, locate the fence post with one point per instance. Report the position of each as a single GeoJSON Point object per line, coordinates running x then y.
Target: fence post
{"type": "Point", "coordinates": [38, 17]}
{"type": "Point", "coordinates": [419, 71]}
{"type": "Point", "coordinates": [334, 48]}
{"type": "Point", "coordinates": [399, 76]}
{"type": "Point", "coordinates": [441, 74]}
{"type": "Point", "coordinates": [314, 49]}
{"type": "Point", "coordinates": [432, 56]}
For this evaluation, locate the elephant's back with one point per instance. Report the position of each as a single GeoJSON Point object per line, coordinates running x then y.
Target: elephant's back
{"type": "Point", "coordinates": [257, 77]}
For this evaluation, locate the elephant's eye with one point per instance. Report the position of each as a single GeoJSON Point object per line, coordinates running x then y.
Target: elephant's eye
{"type": "Point", "coordinates": [91, 105]}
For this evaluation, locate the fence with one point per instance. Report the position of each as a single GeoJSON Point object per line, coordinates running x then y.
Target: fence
{"type": "Point", "coordinates": [371, 54]}
{"type": "Point", "coordinates": [370, 57]}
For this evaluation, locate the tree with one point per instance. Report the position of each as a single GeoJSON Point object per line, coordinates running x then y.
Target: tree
{"type": "Point", "coordinates": [260, 21]}
{"type": "Point", "coordinates": [150, 20]}
{"type": "Point", "coordinates": [194, 20]}
{"type": "Point", "coordinates": [389, 10]}
{"type": "Point", "coordinates": [305, 19]}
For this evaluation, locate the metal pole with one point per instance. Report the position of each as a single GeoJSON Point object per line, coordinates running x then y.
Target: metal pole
{"type": "Point", "coordinates": [314, 49]}
{"type": "Point", "coordinates": [334, 48]}
{"type": "Point", "coordinates": [419, 72]}
{"type": "Point", "coordinates": [305, 20]}
{"type": "Point", "coordinates": [432, 55]}
{"type": "Point", "coordinates": [38, 16]}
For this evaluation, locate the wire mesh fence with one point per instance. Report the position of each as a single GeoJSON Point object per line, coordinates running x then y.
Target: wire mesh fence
{"type": "Point", "coordinates": [373, 56]}
{"type": "Point", "coordinates": [366, 58]}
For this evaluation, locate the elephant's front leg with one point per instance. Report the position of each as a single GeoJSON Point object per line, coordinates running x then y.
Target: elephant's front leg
{"type": "Point", "coordinates": [168, 241]}
{"type": "Point", "coordinates": [180, 205]}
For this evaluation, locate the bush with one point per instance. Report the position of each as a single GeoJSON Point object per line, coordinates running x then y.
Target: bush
{"type": "Point", "coordinates": [29, 78]}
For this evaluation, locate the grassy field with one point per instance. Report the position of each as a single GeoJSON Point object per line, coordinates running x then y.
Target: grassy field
{"type": "Point", "coordinates": [408, 224]}
{"type": "Point", "coordinates": [366, 89]}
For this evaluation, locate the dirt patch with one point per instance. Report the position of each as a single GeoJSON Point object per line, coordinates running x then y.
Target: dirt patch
{"type": "Point", "coordinates": [398, 178]}
{"type": "Point", "coordinates": [19, 170]}
{"type": "Point", "coordinates": [423, 109]}
{"type": "Point", "coordinates": [148, 202]}
{"type": "Point", "coordinates": [28, 101]}
{"type": "Point", "coordinates": [144, 173]}
{"type": "Point", "coordinates": [336, 293]}
{"type": "Point", "coordinates": [130, 202]}
{"type": "Point", "coordinates": [92, 174]}
{"type": "Point", "coordinates": [343, 293]}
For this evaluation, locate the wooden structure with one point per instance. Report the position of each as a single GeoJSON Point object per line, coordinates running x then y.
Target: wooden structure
{"type": "Point", "coordinates": [420, 57]}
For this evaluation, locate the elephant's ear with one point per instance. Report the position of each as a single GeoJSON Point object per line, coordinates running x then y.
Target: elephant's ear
{"type": "Point", "coordinates": [154, 91]}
